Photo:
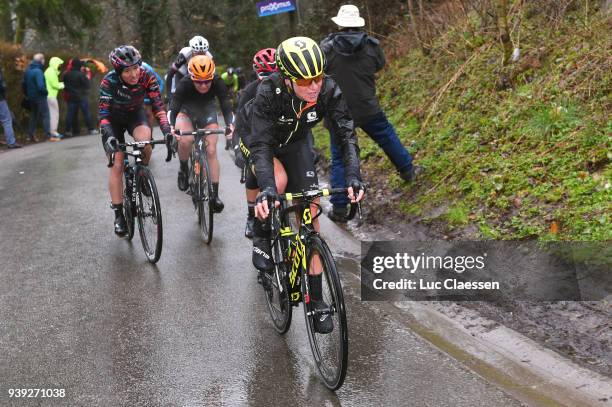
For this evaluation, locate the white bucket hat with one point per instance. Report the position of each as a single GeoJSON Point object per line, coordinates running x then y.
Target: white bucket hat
{"type": "Point", "coordinates": [348, 16]}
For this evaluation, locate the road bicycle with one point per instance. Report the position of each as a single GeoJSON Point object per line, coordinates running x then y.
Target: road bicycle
{"type": "Point", "coordinates": [200, 183]}
{"type": "Point", "coordinates": [141, 199]}
{"type": "Point", "coordinates": [294, 244]}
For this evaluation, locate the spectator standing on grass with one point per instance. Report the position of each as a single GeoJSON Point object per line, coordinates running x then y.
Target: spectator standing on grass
{"type": "Point", "coordinates": [53, 87]}
{"type": "Point", "coordinates": [6, 118]}
{"type": "Point", "coordinates": [353, 58]}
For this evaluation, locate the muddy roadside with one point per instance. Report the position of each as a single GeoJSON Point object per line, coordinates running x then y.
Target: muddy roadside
{"type": "Point", "coordinates": [580, 331]}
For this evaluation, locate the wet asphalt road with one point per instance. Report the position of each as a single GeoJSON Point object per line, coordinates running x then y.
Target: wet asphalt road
{"type": "Point", "coordinates": [83, 311]}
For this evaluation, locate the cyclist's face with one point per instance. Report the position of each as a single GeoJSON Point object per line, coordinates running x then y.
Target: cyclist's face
{"type": "Point", "coordinates": [308, 93]}
{"type": "Point", "coordinates": [131, 74]}
{"type": "Point", "coordinates": [202, 86]}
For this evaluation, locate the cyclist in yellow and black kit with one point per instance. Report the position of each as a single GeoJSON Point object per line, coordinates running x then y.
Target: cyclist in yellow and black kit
{"type": "Point", "coordinates": [287, 105]}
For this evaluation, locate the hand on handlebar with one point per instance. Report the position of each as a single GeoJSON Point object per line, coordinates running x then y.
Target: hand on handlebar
{"type": "Point", "coordinates": [356, 190]}
{"type": "Point", "coordinates": [111, 145]}
{"type": "Point", "coordinates": [264, 198]}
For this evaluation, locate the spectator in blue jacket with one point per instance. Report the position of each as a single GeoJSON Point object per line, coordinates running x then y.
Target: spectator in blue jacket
{"type": "Point", "coordinates": [6, 118]}
{"type": "Point", "coordinates": [35, 90]}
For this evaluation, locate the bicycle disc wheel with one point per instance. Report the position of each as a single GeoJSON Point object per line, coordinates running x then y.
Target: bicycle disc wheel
{"type": "Point", "coordinates": [330, 350]}
{"type": "Point", "coordinates": [149, 215]}
{"type": "Point", "coordinates": [205, 210]}
{"type": "Point", "coordinates": [277, 291]}
{"type": "Point", "coordinates": [128, 212]}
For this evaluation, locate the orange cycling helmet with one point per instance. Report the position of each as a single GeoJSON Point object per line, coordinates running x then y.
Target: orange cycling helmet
{"type": "Point", "coordinates": [201, 68]}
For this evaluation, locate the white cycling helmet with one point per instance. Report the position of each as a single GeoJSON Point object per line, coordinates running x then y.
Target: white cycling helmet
{"type": "Point", "coordinates": [199, 44]}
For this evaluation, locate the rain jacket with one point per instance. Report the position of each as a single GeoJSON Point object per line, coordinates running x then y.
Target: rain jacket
{"type": "Point", "coordinates": [34, 82]}
{"type": "Point", "coordinates": [278, 118]}
{"type": "Point", "coordinates": [353, 57]}
{"type": "Point", "coordinates": [52, 77]}
{"type": "Point", "coordinates": [77, 84]}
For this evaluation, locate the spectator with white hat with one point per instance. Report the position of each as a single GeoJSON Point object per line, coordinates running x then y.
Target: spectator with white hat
{"type": "Point", "coordinates": [353, 58]}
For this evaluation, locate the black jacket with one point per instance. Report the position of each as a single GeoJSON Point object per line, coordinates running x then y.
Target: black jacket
{"type": "Point", "coordinates": [243, 124]}
{"type": "Point", "coordinates": [76, 83]}
{"type": "Point", "coordinates": [353, 57]}
{"type": "Point", "coordinates": [278, 118]}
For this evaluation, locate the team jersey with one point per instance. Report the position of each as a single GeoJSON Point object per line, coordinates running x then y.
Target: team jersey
{"type": "Point", "coordinates": [120, 99]}
{"type": "Point", "coordinates": [187, 95]}
{"type": "Point", "coordinates": [278, 118]}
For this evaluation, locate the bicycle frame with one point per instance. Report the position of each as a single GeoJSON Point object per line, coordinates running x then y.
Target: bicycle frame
{"type": "Point", "coordinates": [292, 243]}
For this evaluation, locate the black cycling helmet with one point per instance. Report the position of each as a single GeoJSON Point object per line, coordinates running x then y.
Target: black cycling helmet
{"type": "Point", "coordinates": [123, 57]}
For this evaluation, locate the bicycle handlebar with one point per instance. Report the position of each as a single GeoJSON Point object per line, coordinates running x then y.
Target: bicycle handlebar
{"type": "Point", "coordinates": [138, 145]}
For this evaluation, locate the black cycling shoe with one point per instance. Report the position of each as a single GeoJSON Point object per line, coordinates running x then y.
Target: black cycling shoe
{"type": "Point", "coordinates": [183, 181]}
{"type": "Point", "coordinates": [323, 323]}
{"type": "Point", "coordinates": [248, 229]}
{"type": "Point", "coordinates": [262, 258]}
{"type": "Point", "coordinates": [121, 229]}
{"type": "Point", "coordinates": [218, 205]}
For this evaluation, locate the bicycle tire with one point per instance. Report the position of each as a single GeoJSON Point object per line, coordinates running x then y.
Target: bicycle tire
{"type": "Point", "coordinates": [149, 208]}
{"type": "Point", "coordinates": [128, 212]}
{"type": "Point", "coordinates": [204, 194]}
{"type": "Point", "coordinates": [276, 289]}
{"type": "Point", "coordinates": [331, 361]}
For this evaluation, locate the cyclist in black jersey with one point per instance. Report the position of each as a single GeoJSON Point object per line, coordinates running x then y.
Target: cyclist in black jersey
{"type": "Point", "coordinates": [264, 64]}
{"type": "Point", "coordinates": [286, 106]}
{"type": "Point", "coordinates": [193, 106]}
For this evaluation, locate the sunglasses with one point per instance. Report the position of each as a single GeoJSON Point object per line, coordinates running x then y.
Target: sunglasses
{"type": "Point", "coordinates": [307, 82]}
{"type": "Point", "coordinates": [202, 82]}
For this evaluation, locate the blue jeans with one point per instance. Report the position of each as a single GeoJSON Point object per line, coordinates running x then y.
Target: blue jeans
{"type": "Point", "coordinates": [73, 109]}
{"type": "Point", "coordinates": [7, 122]}
{"type": "Point", "coordinates": [40, 109]}
{"type": "Point", "coordinates": [383, 133]}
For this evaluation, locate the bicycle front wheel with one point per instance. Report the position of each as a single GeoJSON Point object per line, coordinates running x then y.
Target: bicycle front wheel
{"type": "Point", "coordinates": [277, 291]}
{"type": "Point", "coordinates": [129, 211]}
{"type": "Point", "coordinates": [330, 350]}
{"type": "Point", "coordinates": [149, 215]}
{"type": "Point", "coordinates": [204, 196]}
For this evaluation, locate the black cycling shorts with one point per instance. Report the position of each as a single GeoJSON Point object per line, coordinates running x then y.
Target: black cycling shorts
{"type": "Point", "coordinates": [128, 122]}
{"type": "Point", "coordinates": [299, 165]}
{"type": "Point", "coordinates": [201, 115]}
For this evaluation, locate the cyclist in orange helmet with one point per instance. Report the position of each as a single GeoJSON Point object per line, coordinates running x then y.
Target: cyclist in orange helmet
{"type": "Point", "coordinates": [193, 107]}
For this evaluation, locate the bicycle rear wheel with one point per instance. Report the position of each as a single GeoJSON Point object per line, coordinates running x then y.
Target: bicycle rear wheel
{"type": "Point", "coordinates": [204, 200]}
{"type": "Point", "coordinates": [277, 291]}
{"type": "Point", "coordinates": [149, 215]}
{"type": "Point", "coordinates": [330, 350]}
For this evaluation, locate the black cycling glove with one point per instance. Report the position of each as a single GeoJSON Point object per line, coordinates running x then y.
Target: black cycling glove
{"type": "Point", "coordinates": [357, 186]}
{"type": "Point", "coordinates": [109, 141]}
{"type": "Point", "coordinates": [268, 194]}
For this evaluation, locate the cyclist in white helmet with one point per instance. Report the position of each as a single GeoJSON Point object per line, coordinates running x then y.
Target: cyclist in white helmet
{"type": "Point", "coordinates": [198, 45]}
